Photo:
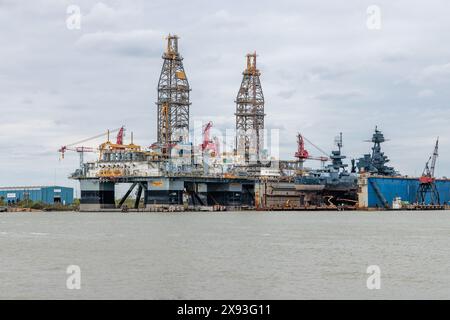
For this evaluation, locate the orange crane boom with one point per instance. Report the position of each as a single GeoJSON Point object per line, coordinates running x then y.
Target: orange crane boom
{"type": "Point", "coordinates": [67, 147]}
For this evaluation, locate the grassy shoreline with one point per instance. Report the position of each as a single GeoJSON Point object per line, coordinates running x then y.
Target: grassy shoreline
{"type": "Point", "coordinates": [37, 206]}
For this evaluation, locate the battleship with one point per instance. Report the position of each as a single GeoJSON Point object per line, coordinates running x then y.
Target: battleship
{"type": "Point", "coordinates": [334, 182]}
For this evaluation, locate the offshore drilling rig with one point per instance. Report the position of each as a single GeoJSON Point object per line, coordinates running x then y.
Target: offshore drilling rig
{"type": "Point", "coordinates": [175, 174]}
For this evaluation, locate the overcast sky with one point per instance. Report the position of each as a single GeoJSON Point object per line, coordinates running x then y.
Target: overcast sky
{"type": "Point", "coordinates": [323, 71]}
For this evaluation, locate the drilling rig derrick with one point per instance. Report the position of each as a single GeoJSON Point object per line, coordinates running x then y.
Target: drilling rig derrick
{"type": "Point", "coordinates": [173, 99]}
{"type": "Point", "coordinates": [250, 113]}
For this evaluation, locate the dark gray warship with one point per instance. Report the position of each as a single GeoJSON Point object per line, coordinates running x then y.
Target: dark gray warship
{"type": "Point", "coordinates": [375, 163]}
{"type": "Point", "coordinates": [334, 182]}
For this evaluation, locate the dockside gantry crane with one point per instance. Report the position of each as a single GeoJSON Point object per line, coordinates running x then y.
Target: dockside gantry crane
{"type": "Point", "coordinates": [427, 182]}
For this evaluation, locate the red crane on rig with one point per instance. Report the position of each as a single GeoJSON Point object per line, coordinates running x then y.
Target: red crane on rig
{"type": "Point", "coordinates": [208, 143]}
{"type": "Point", "coordinates": [302, 154]}
{"type": "Point", "coordinates": [427, 182]}
{"type": "Point", "coordinates": [82, 149]}
{"type": "Point", "coordinates": [119, 139]}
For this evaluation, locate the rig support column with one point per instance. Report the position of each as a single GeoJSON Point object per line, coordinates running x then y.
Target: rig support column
{"type": "Point", "coordinates": [96, 195]}
{"type": "Point", "coordinates": [163, 192]}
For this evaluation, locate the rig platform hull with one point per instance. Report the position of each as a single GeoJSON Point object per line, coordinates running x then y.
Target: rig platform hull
{"type": "Point", "coordinates": [174, 193]}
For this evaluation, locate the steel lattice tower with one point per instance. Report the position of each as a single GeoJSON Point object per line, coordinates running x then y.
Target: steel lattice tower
{"type": "Point", "coordinates": [173, 98]}
{"type": "Point", "coordinates": [250, 112]}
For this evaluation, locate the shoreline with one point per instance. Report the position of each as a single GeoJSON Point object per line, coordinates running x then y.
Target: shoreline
{"type": "Point", "coordinates": [19, 210]}
{"type": "Point", "coordinates": [29, 210]}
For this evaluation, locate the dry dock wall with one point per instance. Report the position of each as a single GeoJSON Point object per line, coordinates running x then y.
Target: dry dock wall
{"type": "Point", "coordinates": [377, 191]}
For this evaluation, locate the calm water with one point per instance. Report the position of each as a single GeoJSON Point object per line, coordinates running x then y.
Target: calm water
{"type": "Point", "coordinates": [225, 255]}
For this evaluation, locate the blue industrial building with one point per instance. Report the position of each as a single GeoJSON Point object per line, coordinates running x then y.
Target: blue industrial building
{"type": "Point", "coordinates": [378, 191]}
{"type": "Point", "coordinates": [45, 194]}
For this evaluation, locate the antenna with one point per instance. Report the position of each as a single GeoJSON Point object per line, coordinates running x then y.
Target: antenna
{"type": "Point", "coordinates": [338, 141]}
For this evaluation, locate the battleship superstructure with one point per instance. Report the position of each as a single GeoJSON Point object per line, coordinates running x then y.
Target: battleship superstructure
{"type": "Point", "coordinates": [375, 163]}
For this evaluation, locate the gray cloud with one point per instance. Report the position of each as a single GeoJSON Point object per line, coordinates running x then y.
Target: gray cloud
{"type": "Point", "coordinates": [134, 43]}
{"type": "Point", "coordinates": [432, 74]}
{"type": "Point", "coordinates": [286, 94]}
{"type": "Point", "coordinates": [335, 96]}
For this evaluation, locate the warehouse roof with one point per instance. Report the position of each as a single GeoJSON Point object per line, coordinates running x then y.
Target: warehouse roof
{"type": "Point", "coordinates": [31, 187]}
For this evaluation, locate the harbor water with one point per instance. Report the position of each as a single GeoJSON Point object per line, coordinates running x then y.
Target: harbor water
{"type": "Point", "coordinates": [226, 255]}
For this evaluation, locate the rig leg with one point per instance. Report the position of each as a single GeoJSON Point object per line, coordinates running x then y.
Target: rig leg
{"type": "Point", "coordinates": [96, 195]}
{"type": "Point", "coordinates": [126, 195]}
{"type": "Point", "coordinates": [144, 186]}
{"type": "Point", "coordinates": [138, 196]}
